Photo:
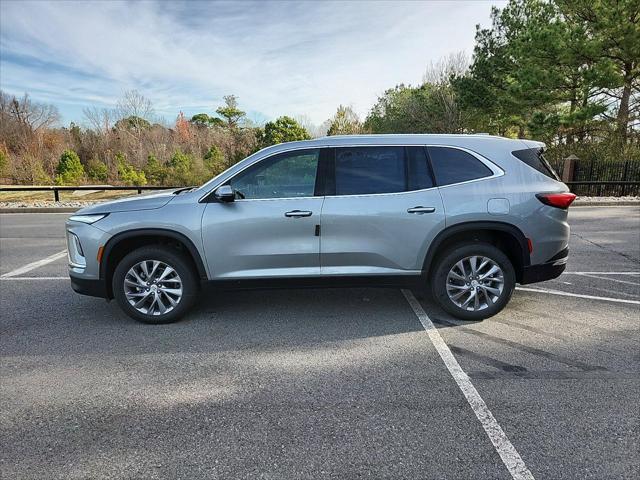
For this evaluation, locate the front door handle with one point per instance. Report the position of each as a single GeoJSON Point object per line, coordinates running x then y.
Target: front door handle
{"type": "Point", "coordinates": [421, 210]}
{"type": "Point", "coordinates": [298, 213]}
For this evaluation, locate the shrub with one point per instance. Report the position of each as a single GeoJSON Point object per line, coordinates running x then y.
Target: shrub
{"type": "Point", "coordinates": [127, 173]}
{"type": "Point", "coordinates": [181, 169]}
{"type": "Point", "coordinates": [4, 163]}
{"type": "Point", "coordinates": [97, 171]}
{"type": "Point", "coordinates": [214, 161]}
{"type": "Point", "coordinates": [69, 169]}
{"type": "Point", "coordinates": [156, 172]}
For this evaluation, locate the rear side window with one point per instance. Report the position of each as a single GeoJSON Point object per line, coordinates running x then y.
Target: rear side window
{"type": "Point", "coordinates": [535, 159]}
{"type": "Point", "coordinates": [365, 170]}
{"type": "Point", "coordinates": [451, 165]}
{"type": "Point", "coordinates": [419, 176]}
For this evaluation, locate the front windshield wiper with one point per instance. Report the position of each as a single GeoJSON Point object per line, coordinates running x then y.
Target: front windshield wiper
{"type": "Point", "coordinates": [182, 190]}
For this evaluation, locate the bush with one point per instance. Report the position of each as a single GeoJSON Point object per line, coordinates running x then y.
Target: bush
{"type": "Point", "coordinates": [97, 171]}
{"type": "Point", "coordinates": [214, 161]}
{"type": "Point", "coordinates": [69, 169]}
{"type": "Point", "coordinates": [127, 173]}
{"type": "Point", "coordinates": [156, 173]}
{"type": "Point", "coordinates": [181, 169]}
{"type": "Point", "coordinates": [4, 163]}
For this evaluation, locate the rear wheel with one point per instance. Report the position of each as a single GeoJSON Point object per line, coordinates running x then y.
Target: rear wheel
{"type": "Point", "coordinates": [473, 281]}
{"type": "Point", "coordinates": [155, 285]}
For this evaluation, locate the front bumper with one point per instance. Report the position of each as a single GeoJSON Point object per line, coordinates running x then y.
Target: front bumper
{"type": "Point", "coordinates": [546, 271]}
{"type": "Point", "coordinates": [90, 287]}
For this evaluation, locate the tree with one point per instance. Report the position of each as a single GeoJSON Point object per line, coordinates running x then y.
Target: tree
{"type": "Point", "coordinates": [127, 173]}
{"type": "Point", "coordinates": [97, 170]}
{"type": "Point", "coordinates": [69, 169]}
{"type": "Point", "coordinates": [154, 171]}
{"type": "Point", "coordinates": [134, 104]}
{"type": "Point", "coordinates": [214, 160]}
{"type": "Point", "coordinates": [230, 111]}
{"type": "Point", "coordinates": [31, 115]}
{"type": "Point", "coordinates": [345, 122]}
{"type": "Point", "coordinates": [610, 32]}
{"type": "Point", "coordinates": [181, 165]}
{"type": "Point", "coordinates": [284, 129]}
{"type": "Point", "coordinates": [203, 120]}
{"type": "Point", "coordinates": [132, 123]}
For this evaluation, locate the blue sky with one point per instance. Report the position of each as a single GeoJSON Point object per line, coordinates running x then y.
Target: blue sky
{"type": "Point", "coordinates": [295, 58]}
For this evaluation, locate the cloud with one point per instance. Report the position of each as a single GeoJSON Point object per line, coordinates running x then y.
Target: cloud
{"type": "Point", "coordinates": [277, 57]}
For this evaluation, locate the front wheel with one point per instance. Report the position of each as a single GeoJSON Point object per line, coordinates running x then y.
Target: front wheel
{"type": "Point", "coordinates": [473, 281]}
{"type": "Point", "coordinates": [155, 284]}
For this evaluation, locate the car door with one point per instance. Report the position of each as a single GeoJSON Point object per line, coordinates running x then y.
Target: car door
{"type": "Point", "coordinates": [270, 228]}
{"type": "Point", "coordinates": [382, 214]}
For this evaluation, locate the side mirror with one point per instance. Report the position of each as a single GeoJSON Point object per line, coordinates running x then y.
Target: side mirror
{"type": "Point", "coordinates": [225, 194]}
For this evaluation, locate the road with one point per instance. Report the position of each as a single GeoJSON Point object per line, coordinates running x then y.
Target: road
{"type": "Point", "coordinates": [322, 383]}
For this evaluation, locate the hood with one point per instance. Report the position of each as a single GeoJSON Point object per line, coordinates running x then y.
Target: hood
{"type": "Point", "coordinates": [128, 204]}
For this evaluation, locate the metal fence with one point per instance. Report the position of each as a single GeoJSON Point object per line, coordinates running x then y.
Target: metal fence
{"type": "Point", "coordinates": [600, 178]}
{"type": "Point", "coordinates": [57, 189]}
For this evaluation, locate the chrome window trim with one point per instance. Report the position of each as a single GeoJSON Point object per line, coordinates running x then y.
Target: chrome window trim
{"type": "Point", "coordinates": [497, 171]}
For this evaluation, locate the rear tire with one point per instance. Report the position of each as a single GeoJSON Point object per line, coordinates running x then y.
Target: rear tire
{"type": "Point", "coordinates": [155, 284]}
{"type": "Point", "coordinates": [473, 281]}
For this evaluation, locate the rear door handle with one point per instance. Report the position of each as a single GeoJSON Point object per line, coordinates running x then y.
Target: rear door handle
{"type": "Point", "coordinates": [421, 210]}
{"type": "Point", "coordinates": [298, 213]}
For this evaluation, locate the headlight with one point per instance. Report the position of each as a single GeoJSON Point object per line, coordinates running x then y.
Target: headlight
{"type": "Point", "coordinates": [92, 218]}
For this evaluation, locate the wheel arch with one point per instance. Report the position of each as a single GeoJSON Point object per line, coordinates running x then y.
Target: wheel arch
{"type": "Point", "coordinates": [122, 243]}
{"type": "Point", "coordinates": [506, 236]}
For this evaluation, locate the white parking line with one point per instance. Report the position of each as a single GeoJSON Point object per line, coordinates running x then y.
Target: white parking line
{"type": "Point", "coordinates": [567, 294]}
{"type": "Point", "coordinates": [600, 273]}
{"type": "Point", "coordinates": [34, 278]}
{"type": "Point", "coordinates": [509, 455]}
{"type": "Point", "coordinates": [607, 278]}
{"type": "Point", "coordinates": [33, 265]}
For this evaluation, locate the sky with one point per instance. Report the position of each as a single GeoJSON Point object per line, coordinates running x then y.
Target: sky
{"type": "Point", "coordinates": [277, 57]}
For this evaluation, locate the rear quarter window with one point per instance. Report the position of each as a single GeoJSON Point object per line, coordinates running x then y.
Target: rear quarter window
{"type": "Point", "coordinates": [535, 159]}
{"type": "Point", "coordinates": [451, 165]}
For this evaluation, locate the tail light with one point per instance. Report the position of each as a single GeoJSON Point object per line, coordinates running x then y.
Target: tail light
{"type": "Point", "coordinates": [558, 200]}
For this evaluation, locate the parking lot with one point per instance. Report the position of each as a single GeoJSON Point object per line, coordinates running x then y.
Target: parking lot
{"type": "Point", "coordinates": [324, 383]}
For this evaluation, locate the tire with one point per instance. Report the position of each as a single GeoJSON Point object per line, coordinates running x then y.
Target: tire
{"type": "Point", "coordinates": [175, 291]}
{"type": "Point", "coordinates": [491, 294]}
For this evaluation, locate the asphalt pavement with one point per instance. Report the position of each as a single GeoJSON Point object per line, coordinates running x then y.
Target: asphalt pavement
{"type": "Point", "coordinates": [327, 383]}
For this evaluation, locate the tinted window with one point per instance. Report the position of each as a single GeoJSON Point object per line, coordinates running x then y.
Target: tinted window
{"type": "Point", "coordinates": [364, 170]}
{"type": "Point", "coordinates": [291, 174]}
{"type": "Point", "coordinates": [534, 158]}
{"type": "Point", "coordinates": [451, 165]}
{"type": "Point", "coordinates": [418, 169]}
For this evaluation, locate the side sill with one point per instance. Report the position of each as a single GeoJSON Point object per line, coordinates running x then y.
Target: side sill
{"type": "Point", "coordinates": [386, 281]}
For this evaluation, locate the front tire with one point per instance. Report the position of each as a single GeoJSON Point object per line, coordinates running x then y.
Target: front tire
{"type": "Point", "coordinates": [473, 281]}
{"type": "Point", "coordinates": [155, 285]}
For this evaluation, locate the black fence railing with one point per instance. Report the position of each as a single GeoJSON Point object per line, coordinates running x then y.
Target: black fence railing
{"type": "Point", "coordinates": [57, 189]}
{"type": "Point", "coordinates": [605, 189]}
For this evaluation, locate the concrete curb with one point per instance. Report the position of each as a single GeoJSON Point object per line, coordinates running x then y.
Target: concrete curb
{"type": "Point", "coordinates": [606, 204]}
{"type": "Point", "coordinates": [40, 210]}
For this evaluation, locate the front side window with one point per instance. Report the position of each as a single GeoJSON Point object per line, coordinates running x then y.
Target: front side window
{"type": "Point", "coordinates": [451, 165]}
{"type": "Point", "coordinates": [285, 175]}
{"type": "Point", "coordinates": [367, 170]}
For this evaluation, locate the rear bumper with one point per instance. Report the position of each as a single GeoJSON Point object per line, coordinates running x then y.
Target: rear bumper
{"type": "Point", "coordinates": [546, 271]}
{"type": "Point", "coordinates": [93, 288]}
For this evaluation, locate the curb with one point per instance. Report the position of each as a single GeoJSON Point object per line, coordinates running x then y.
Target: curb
{"type": "Point", "coordinates": [40, 210]}
{"type": "Point", "coordinates": [607, 204]}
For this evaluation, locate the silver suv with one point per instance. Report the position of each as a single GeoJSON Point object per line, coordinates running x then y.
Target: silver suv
{"type": "Point", "coordinates": [464, 217]}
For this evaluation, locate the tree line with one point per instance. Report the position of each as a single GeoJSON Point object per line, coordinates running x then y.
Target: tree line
{"type": "Point", "coordinates": [566, 72]}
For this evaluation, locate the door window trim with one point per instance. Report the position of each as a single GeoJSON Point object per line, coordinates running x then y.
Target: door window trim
{"type": "Point", "coordinates": [210, 197]}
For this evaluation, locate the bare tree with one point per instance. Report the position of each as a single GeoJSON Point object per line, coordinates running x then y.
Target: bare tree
{"type": "Point", "coordinates": [134, 104]}
{"type": "Point", "coordinates": [440, 72]}
{"type": "Point", "coordinates": [31, 115]}
{"type": "Point", "coordinates": [101, 119]}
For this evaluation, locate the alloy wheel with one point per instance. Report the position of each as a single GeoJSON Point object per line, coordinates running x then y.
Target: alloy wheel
{"type": "Point", "coordinates": [153, 287]}
{"type": "Point", "coordinates": [475, 283]}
